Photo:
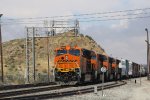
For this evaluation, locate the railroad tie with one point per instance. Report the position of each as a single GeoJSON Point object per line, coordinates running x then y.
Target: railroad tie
{"type": "Point", "coordinates": [79, 92]}
{"type": "Point", "coordinates": [59, 93]}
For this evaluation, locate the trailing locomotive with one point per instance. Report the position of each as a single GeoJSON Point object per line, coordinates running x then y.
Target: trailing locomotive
{"type": "Point", "coordinates": [79, 65]}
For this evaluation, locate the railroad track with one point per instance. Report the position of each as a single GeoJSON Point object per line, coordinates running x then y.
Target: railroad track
{"type": "Point", "coordinates": [58, 92]}
{"type": "Point", "coordinates": [9, 87]}
{"type": "Point", "coordinates": [25, 91]}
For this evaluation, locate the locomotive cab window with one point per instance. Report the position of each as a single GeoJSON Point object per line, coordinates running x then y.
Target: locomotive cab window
{"type": "Point", "coordinates": [86, 53]}
{"type": "Point", "coordinates": [93, 57]}
{"type": "Point", "coordinates": [61, 52]}
{"type": "Point", "coordinates": [113, 61]}
{"type": "Point", "coordinates": [74, 52]}
{"type": "Point", "coordinates": [103, 58]}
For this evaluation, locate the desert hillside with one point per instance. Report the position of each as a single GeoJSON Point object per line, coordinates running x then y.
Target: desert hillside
{"type": "Point", "coordinates": [14, 52]}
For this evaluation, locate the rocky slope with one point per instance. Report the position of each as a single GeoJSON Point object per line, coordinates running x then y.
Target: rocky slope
{"type": "Point", "coordinates": [14, 51]}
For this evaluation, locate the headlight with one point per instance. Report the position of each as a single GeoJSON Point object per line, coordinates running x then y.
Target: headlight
{"type": "Point", "coordinates": [66, 57]}
{"type": "Point", "coordinates": [77, 70]}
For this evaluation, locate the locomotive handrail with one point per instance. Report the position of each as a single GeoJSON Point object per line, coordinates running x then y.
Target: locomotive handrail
{"type": "Point", "coordinates": [77, 64]}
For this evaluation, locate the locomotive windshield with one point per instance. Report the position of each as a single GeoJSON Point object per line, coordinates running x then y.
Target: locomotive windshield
{"type": "Point", "coordinates": [93, 57]}
{"type": "Point", "coordinates": [61, 52]}
{"type": "Point", "coordinates": [86, 53]}
{"type": "Point", "coordinates": [103, 58]}
{"type": "Point", "coordinates": [74, 52]}
{"type": "Point", "coordinates": [114, 61]}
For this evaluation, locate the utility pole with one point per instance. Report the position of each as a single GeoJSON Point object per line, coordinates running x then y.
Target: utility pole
{"type": "Point", "coordinates": [48, 56]}
{"type": "Point", "coordinates": [47, 36]}
{"type": "Point", "coordinates": [1, 52]}
{"type": "Point", "coordinates": [33, 53]}
{"type": "Point", "coordinates": [27, 57]}
{"type": "Point", "coordinates": [148, 67]}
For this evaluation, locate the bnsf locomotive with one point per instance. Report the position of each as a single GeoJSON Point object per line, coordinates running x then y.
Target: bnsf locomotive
{"type": "Point", "coordinates": [78, 65]}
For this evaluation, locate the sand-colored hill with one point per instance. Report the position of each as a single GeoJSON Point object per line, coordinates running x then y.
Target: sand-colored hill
{"type": "Point", "coordinates": [14, 52]}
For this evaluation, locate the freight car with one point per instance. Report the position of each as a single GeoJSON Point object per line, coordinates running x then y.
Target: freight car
{"type": "Point", "coordinates": [123, 66]}
{"type": "Point", "coordinates": [143, 71]}
{"type": "Point", "coordinates": [130, 69]}
{"type": "Point", "coordinates": [136, 70]}
{"type": "Point", "coordinates": [79, 65]}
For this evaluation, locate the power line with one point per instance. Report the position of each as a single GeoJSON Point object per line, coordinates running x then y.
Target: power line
{"type": "Point", "coordinates": [84, 17]}
{"type": "Point", "coordinates": [114, 15]}
{"type": "Point", "coordinates": [116, 19]}
{"type": "Point", "coordinates": [96, 18]}
{"type": "Point", "coordinates": [87, 14]}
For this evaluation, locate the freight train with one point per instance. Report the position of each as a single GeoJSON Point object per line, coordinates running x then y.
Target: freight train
{"type": "Point", "coordinates": [79, 65]}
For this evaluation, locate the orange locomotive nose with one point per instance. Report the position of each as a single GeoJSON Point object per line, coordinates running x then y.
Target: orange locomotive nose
{"type": "Point", "coordinates": [106, 64]}
{"type": "Point", "coordinates": [67, 64]}
{"type": "Point", "coordinates": [67, 58]}
{"type": "Point", "coordinates": [114, 65]}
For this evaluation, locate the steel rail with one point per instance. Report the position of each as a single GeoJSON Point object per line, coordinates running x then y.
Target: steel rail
{"type": "Point", "coordinates": [61, 93]}
{"type": "Point", "coordinates": [9, 87]}
{"type": "Point", "coordinates": [24, 91]}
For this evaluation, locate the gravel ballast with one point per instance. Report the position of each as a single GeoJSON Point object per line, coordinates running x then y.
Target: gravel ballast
{"type": "Point", "coordinates": [130, 91]}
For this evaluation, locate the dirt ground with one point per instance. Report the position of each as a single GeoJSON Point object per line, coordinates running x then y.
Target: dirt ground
{"type": "Point", "coordinates": [130, 91]}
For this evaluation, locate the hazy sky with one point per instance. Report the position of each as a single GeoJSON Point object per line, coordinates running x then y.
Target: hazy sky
{"type": "Point", "coordinates": [119, 38]}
